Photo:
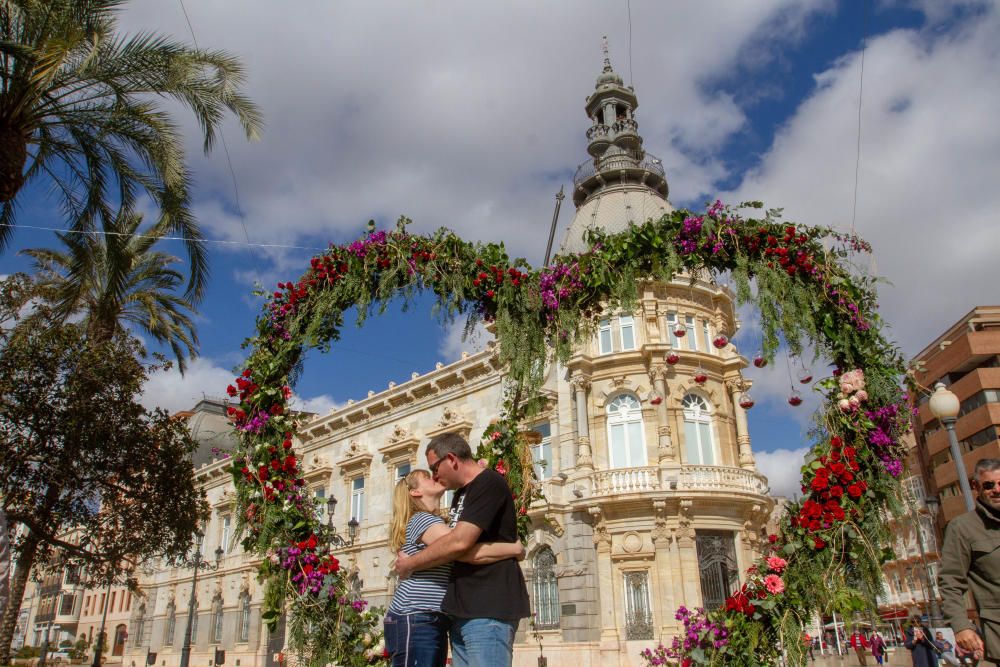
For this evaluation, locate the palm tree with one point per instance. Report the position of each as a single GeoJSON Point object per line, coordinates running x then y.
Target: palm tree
{"type": "Point", "coordinates": [79, 109]}
{"type": "Point", "coordinates": [113, 279]}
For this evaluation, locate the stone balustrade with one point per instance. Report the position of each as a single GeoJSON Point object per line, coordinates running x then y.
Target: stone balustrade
{"type": "Point", "coordinates": [719, 478]}
{"type": "Point", "coordinates": [626, 480]}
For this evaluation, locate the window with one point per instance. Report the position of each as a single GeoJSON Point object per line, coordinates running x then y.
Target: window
{"type": "Point", "coordinates": [217, 617]}
{"type": "Point", "coordinates": [706, 336]}
{"type": "Point", "coordinates": [638, 614]}
{"type": "Point", "coordinates": [67, 604]}
{"type": "Point", "coordinates": [541, 453]}
{"type": "Point", "coordinates": [675, 342]}
{"type": "Point", "coordinates": [140, 625]}
{"type": "Point", "coordinates": [194, 625]}
{"type": "Point", "coordinates": [692, 339]}
{"type": "Point", "coordinates": [244, 618]}
{"type": "Point", "coordinates": [168, 631]}
{"type": "Point", "coordinates": [402, 470]}
{"type": "Point", "coordinates": [698, 431]}
{"type": "Point", "coordinates": [626, 325]}
{"type": "Point", "coordinates": [604, 337]}
{"type": "Point", "coordinates": [227, 533]}
{"type": "Point", "coordinates": [358, 498]}
{"type": "Point", "coordinates": [72, 575]}
{"type": "Point", "coordinates": [546, 590]}
{"type": "Point", "coordinates": [628, 449]}
{"type": "Point", "coordinates": [320, 496]}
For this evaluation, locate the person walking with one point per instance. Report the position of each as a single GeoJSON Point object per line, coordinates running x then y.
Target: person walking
{"type": "Point", "coordinates": [924, 650]}
{"type": "Point", "coordinates": [416, 631]}
{"type": "Point", "coordinates": [970, 561]}
{"type": "Point", "coordinates": [859, 644]}
{"type": "Point", "coordinates": [484, 602]}
{"type": "Point", "coordinates": [878, 647]}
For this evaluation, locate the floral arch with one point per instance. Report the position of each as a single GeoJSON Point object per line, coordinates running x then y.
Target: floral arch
{"type": "Point", "coordinates": [828, 551]}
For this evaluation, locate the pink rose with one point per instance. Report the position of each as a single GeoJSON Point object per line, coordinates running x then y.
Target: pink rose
{"type": "Point", "coordinates": [862, 395]}
{"type": "Point", "coordinates": [776, 563]}
{"type": "Point", "coordinates": [844, 405]}
{"type": "Point", "coordinates": [774, 584]}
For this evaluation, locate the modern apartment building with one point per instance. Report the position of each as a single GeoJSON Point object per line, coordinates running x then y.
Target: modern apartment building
{"type": "Point", "coordinates": [966, 358]}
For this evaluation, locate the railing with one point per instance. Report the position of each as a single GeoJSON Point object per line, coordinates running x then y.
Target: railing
{"type": "Point", "coordinates": [717, 478]}
{"type": "Point", "coordinates": [649, 163]}
{"type": "Point", "coordinates": [626, 480]}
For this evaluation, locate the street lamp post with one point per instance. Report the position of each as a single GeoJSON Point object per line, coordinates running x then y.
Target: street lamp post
{"type": "Point", "coordinates": [329, 533]}
{"type": "Point", "coordinates": [933, 611]}
{"type": "Point", "coordinates": [43, 654]}
{"type": "Point", "coordinates": [945, 406]}
{"type": "Point", "coordinates": [197, 563]}
{"type": "Point", "coordinates": [100, 635]}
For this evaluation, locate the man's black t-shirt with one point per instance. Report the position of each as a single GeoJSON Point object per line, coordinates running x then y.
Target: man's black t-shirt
{"type": "Point", "coordinates": [496, 590]}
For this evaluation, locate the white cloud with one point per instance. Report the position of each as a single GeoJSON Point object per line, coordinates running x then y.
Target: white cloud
{"type": "Point", "coordinates": [320, 405]}
{"type": "Point", "coordinates": [930, 161]}
{"type": "Point", "coordinates": [173, 392]}
{"type": "Point", "coordinates": [452, 344]}
{"type": "Point", "coordinates": [782, 467]}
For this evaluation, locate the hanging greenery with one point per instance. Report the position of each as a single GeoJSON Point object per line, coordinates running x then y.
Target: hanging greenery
{"type": "Point", "coordinates": [798, 277]}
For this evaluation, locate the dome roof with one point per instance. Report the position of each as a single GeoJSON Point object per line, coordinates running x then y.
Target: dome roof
{"type": "Point", "coordinates": [614, 209]}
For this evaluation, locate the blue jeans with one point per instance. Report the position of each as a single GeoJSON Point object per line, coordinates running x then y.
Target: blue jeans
{"type": "Point", "coordinates": [482, 642]}
{"type": "Point", "coordinates": [417, 640]}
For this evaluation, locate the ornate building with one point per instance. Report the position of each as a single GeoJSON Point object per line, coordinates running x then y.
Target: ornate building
{"type": "Point", "coordinates": [652, 501]}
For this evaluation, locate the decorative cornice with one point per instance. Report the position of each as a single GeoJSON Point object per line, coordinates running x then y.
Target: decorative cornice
{"type": "Point", "coordinates": [400, 445]}
{"type": "Point", "coordinates": [356, 460]}
{"type": "Point", "coordinates": [451, 422]}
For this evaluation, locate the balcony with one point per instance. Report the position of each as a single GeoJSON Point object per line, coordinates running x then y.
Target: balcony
{"type": "Point", "coordinates": [626, 480]}
{"type": "Point", "coordinates": [722, 479]}
{"type": "Point", "coordinates": [690, 480]}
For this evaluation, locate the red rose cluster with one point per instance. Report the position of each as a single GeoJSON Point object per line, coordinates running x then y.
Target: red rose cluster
{"type": "Point", "coordinates": [278, 474]}
{"type": "Point", "coordinates": [833, 488]}
{"type": "Point", "coordinates": [490, 278]}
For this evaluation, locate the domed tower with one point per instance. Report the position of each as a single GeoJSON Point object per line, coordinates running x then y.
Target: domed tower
{"type": "Point", "coordinates": [621, 183]}
{"type": "Point", "coordinates": [659, 493]}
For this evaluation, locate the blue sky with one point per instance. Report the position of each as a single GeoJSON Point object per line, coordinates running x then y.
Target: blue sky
{"type": "Point", "coordinates": [471, 116]}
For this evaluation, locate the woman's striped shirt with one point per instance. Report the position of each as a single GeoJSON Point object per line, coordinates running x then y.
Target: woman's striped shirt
{"type": "Point", "coordinates": [424, 589]}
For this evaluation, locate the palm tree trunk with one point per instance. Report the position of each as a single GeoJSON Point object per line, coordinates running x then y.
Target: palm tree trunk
{"type": "Point", "coordinates": [13, 156]}
{"type": "Point", "coordinates": [25, 561]}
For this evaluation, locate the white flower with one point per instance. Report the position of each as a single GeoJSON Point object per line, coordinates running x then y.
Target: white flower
{"type": "Point", "coordinates": [844, 405]}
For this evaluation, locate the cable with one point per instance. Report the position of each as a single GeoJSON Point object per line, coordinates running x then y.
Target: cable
{"type": "Point", "coordinates": [229, 162]}
{"type": "Point", "coordinates": [861, 89]}
{"type": "Point", "coordinates": [162, 238]}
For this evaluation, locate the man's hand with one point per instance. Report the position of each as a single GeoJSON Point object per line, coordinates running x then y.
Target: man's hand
{"type": "Point", "coordinates": [970, 641]}
{"type": "Point", "coordinates": [402, 567]}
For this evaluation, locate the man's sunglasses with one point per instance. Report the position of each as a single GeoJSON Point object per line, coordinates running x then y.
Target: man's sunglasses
{"type": "Point", "coordinates": [985, 486]}
{"type": "Point", "coordinates": [434, 466]}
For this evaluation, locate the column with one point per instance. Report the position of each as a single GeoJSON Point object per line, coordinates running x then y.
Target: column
{"type": "Point", "coordinates": [665, 573]}
{"type": "Point", "coordinates": [664, 445]}
{"type": "Point", "coordinates": [584, 457]}
{"type": "Point", "coordinates": [605, 582]}
{"type": "Point", "coordinates": [735, 387]}
{"type": "Point", "coordinates": [687, 550]}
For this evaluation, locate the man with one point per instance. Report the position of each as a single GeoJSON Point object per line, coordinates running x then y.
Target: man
{"type": "Point", "coordinates": [970, 561]}
{"type": "Point", "coordinates": [485, 602]}
{"type": "Point", "coordinates": [859, 644]}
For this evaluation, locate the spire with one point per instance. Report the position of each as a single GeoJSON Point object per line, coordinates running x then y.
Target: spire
{"type": "Point", "coordinates": [614, 142]}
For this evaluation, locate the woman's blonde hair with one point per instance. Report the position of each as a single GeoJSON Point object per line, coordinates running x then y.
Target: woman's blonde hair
{"type": "Point", "coordinates": [404, 506]}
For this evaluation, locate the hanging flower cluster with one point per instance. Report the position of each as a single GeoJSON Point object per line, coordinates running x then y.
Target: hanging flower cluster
{"type": "Point", "coordinates": [700, 638]}
{"type": "Point", "coordinates": [834, 492]}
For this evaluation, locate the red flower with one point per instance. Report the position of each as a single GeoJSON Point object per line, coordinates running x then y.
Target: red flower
{"type": "Point", "coordinates": [837, 491]}
{"type": "Point", "coordinates": [276, 409]}
{"type": "Point", "coordinates": [836, 442]}
{"type": "Point", "coordinates": [854, 491]}
{"type": "Point", "coordinates": [818, 543]}
{"type": "Point", "coordinates": [287, 444]}
{"type": "Point", "coordinates": [772, 538]}
{"type": "Point", "coordinates": [276, 464]}
{"type": "Point", "coordinates": [819, 483]}
{"type": "Point", "coordinates": [231, 390]}
{"type": "Point", "coordinates": [247, 373]}
{"type": "Point", "coordinates": [838, 468]}
{"type": "Point", "coordinates": [850, 452]}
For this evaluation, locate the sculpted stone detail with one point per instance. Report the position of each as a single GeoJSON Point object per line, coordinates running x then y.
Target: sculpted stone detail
{"type": "Point", "coordinates": [631, 543]}
{"type": "Point", "coordinates": [398, 434]}
{"type": "Point", "coordinates": [601, 535]}
{"type": "Point", "coordinates": [685, 530]}
{"type": "Point", "coordinates": [660, 533]}
{"type": "Point", "coordinates": [449, 417]}
{"type": "Point", "coordinates": [554, 525]}
{"type": "Point", "coordinates": [579, 383]}
{"type": "Point", "coordinates": [657, 371]}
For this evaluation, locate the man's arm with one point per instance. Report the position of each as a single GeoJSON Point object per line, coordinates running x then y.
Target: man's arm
{"type": "Point", "coordinates": [956, 557]}
{"type": "Point", "coordinates": [443, 550]}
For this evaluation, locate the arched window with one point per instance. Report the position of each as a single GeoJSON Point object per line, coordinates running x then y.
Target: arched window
{"type": "Point", "coordinates": [546, 590]}
{"type": "Point", "coordinates": [698, 431]}
{"type": "Point", "coordinates": [625, 440]}
{"type": "Point", "coordinates": [244, 618]}
{"type": "Point", "coordinates": [118, 648]}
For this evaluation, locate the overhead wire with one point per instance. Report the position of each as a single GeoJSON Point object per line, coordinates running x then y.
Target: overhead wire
{"type": "Point", "coordinates": [861, 90]}
{"type": "Point", "coordinates": [229, 162]}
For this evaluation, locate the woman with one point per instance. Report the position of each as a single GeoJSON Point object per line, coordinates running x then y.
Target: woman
{"type": "Point", "coordinates": [924, 650]}
{"type": "Point", "coordinates": [878, 647]}
{"type": "Point", "coordinates": [416, 632]}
